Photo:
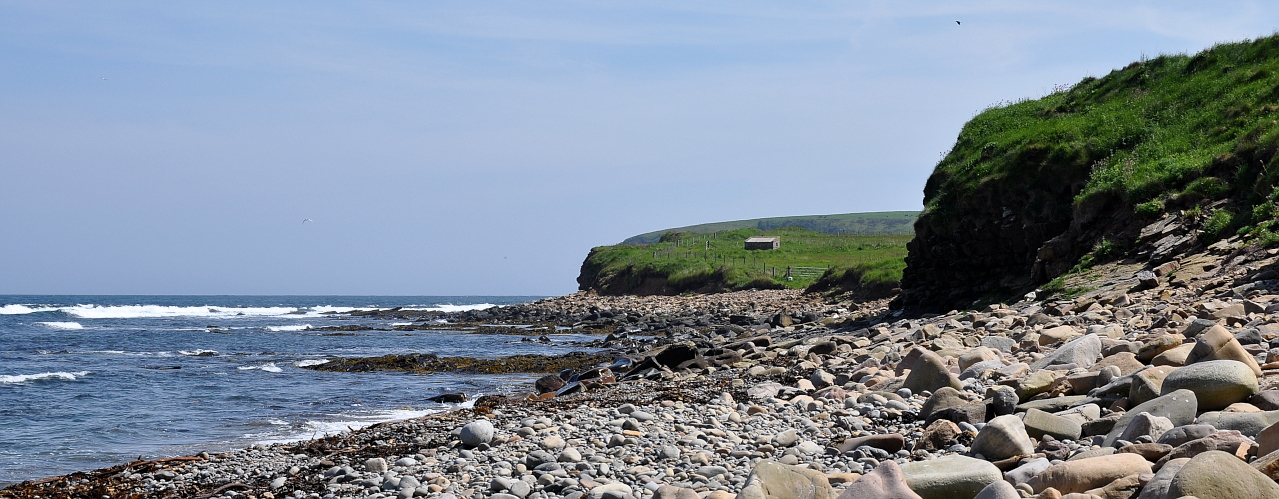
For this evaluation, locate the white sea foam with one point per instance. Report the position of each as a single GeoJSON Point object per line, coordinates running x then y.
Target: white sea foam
{"type": "Point", "coordinates": [268, 367]}
{"type": "Point", "coordinates": [61, 325]}
{"type": "Point", "coordinates": [144, 311]}
{"type": "Point", "coordinates": [310, 362]}
{"type": "Point", "coordinates": [23, 378]}
{"type": "Point", "coordinates": [199, 352]}
{"type": "Point", "coordinates": [453, 308]}
{"type": "Point", "coordinates": [343, 422]}
{"type": "Point", "coordinates": [15, 309]}
{"type": "Point", "coordinates": [401, 324]}
{"type": "Point", "coordinates": [297, 327]}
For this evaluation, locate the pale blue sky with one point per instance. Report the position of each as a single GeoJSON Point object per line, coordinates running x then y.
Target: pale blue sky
{"type": "Point", "coordinates": [483, 147]}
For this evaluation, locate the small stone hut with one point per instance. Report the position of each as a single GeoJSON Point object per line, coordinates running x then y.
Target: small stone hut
{"type": "Point", "coordinates": [763, 243]}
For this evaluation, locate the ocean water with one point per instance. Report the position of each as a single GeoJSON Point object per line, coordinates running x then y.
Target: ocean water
{"type": "Point", "coordinates": [93, 381]}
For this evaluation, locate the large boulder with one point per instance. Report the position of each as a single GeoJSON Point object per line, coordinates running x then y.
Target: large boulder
{"type": "Point", "coordinates": [930, 373]}
{"type": "Point", "coordinates": [1003, 437]}
{"type": "Point", "coordinates": [1216, 383]}
{"type": "Point", "coordinates": [1179, 407]}
{"type": "Point", "coordinates": [1082, 352]}
{"type": "Point", "coordinates": [884, 482]}
{"type": "Point", "coordinates": [1219, 475]}
{"type": "Point", "coordinates": [949, 477]}
{"type": "Point", "coordinates": [1218, 344]}
{"type": "Point", "coordinates": [1091, 473]}
{"type": "Point", "coordinates": [774, 480]}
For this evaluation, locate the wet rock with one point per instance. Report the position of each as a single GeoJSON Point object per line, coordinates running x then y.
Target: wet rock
{"type": "Point", "coordinates": [548, 383]}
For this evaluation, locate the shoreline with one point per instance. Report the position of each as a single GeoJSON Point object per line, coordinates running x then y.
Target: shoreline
{"type": "Point", "coordinates": [1026, 399]}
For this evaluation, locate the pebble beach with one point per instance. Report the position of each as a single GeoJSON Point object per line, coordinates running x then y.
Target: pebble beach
{"type": "Point", "coordinates": [1150, 386]}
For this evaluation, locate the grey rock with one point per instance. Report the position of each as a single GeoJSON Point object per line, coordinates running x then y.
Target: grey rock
{"type": "Point", "coordinates": [1039, 423]}
{"type": "Point", "coordinates": [1158, 486]}
{"type": "Point", "coordinates": [1216, 383]}
{"type": "Point", "coordinates": [1083, 352]}
{"type": "Point", "coordinates": [1025, 472]}
{"type": "Point", "coordinates": [998, 489]}
{"type": "Point", "coordinates": [774, 480]}
{"type": "Point", "coordinates": [1145, 424]}
{"type": "Point", "coordinates": [476, 433]}
{"type": "Point", "coordinates": [520, 488]}
{"type": "Point", "coordinates": [1219, 475]}
{"type": "Point", "coordinates": [375, 465]}
{"type": "Point", "coordinates": [1179, 407]}
{"type": "Point", "coordinates": [1248, 423]}
{"type": "Point", "coordinates": [1002, 438]}
{"type": "Point", "coordinates": [949, 476]}
{"type": "Point", "coordinates": [1185, 433]}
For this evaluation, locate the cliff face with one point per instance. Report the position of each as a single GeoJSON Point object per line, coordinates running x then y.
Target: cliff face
{"type": "Point", "coordinates": [1031, 188]}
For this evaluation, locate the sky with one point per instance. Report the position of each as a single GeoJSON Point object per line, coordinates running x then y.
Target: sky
{"type": "Point", "coordinates": [482, 148]}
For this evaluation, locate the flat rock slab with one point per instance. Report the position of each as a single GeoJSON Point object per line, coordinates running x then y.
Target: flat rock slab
{"type": "Point", "coordinates": [950, 477]}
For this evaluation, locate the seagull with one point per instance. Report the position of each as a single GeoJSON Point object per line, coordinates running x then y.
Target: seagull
{"type": "Point", "coordinates": [957, 22]}
{"type": "Point", "coordinates": [104, 78]}
{"type": "Point", "coordinates": [305, 220]}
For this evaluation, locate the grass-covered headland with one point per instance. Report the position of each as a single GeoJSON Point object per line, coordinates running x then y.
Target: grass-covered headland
{"type": "Point", "coordinates": [689, 262]}
{"type": "Point", "coordinates": [1031, 186]}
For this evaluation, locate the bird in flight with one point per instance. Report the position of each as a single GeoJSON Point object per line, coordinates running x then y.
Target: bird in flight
{"type": "Point", "coordinates": [104, 78]}
{"type": "Point", "coordinates": [957, 22]}
{"type": "Point", "coordinates": [305, 220]}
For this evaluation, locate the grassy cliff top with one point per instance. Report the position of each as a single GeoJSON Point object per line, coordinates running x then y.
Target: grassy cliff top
{"type": "Point", "coordinates": [1160, 133]}
{"type": "Point", "coordinates": [883, 222]}
{"type": "Point", "coordinates": [690, 262]}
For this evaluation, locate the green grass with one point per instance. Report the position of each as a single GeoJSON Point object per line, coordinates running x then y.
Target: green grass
{"type": "Point", "coordinates": [685, 262]}
{"type": "Point", "coordinates": [883, 222]}
{"type": "Point", "coordinates": [1166, 133]}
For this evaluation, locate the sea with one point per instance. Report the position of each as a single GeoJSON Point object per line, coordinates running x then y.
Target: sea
{"type": "Point", "coordinates": [93, 381]}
